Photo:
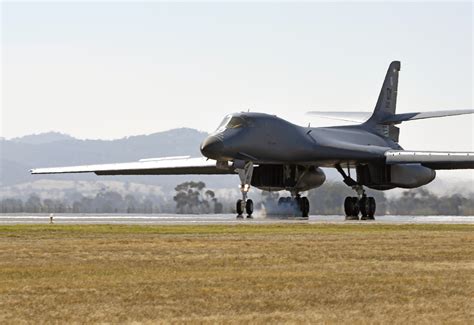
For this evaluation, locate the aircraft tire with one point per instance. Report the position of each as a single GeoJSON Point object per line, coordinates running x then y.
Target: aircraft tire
{"type": "Point", "coordinates": [239, 208]}
{"type": "Point", "coordinates": [351, 208]}
{"type": "Point", "coordinates": [249, 208]}
{"type": "Point", "coordinates": [348, 206]}
{"type": "Point", "coordinates": [364, 208]}
{"type": "Point", "coordinates": [372, 207]}
{"type": "Point", "coordinates": [355, 207]}
{"type": "Point", "coordinates": [304, 204]}
{"type": "Point", "coordinates": [297, 203]}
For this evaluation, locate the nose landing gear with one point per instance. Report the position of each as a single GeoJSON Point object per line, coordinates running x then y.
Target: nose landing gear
{"type": "Point", "coordinates": [244, 204]}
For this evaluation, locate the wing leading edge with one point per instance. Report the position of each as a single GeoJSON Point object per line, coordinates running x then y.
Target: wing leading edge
{"type": "Point", "coordinates": [158, 166]}
{"type": "Point", "coordinates": [432, 159]}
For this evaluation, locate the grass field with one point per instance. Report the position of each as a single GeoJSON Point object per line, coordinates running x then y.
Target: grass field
{"type": "Point", "coordinates": [243, 273]}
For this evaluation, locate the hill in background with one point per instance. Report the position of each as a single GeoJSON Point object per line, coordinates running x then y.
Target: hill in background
{"type": "Point", "coordinates": [19, 155]}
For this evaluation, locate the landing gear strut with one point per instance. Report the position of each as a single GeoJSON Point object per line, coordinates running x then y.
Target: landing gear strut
{"type": "Point", "coordinates": [363, 204]}
{"type": "Point", "coordinates": [245, 204]}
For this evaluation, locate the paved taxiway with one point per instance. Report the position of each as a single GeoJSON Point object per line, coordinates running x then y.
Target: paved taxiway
{"type": "Point", "coordinates": [176, 219]}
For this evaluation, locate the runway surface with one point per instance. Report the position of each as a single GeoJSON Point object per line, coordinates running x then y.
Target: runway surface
{"type": "Point", "coordinates": [182, 219]}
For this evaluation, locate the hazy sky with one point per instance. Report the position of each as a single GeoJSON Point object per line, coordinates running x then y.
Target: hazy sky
{"type": "Point", "coordinates": [113, 69]}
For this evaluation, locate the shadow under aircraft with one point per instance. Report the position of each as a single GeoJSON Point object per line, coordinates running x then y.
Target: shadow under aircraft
{"type": "Point", "coordinates": [274, 154]}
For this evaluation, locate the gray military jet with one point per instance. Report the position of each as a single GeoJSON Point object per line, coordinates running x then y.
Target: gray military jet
{"type": "Point", "coordinates": [273, 154]}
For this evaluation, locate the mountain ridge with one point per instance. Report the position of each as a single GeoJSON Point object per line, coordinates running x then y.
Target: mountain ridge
{"type": "Point", "coordinates": [18, 157]}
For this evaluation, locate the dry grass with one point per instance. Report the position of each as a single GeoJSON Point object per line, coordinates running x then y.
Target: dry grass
{"type": "Point", "coordinates": [247, 273]}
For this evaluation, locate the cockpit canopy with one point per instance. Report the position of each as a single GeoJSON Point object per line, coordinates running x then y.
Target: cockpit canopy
{"type": "Point", "coordinates": [233, 122]}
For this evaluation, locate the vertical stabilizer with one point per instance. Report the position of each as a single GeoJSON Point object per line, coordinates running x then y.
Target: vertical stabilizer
{"type": "Point", "coordinates": [387, 103]}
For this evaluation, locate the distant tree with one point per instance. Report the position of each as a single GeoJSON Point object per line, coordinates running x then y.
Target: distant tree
{"type": "Point", "coordinates": [422, 202]}
{"type": "Point", "coordinates": [109, 202]}
{"type": "Point", "coordinates": [77, 207]}
{"type": "Point", "coordinates": [48, 206]}
{"type": "Point", "coordinates": [11, 205]}
{"type": "Point", "coordinates": [148, 206]}
{"type": "Point", "coordinates": [191, 197]}
{"type": "Point", "coordinates": [33, 204]}
{"type": "Point", "coordinates": [131, 203]}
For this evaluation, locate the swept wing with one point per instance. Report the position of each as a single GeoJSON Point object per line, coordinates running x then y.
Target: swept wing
{"type": "Point", "coordinates": [432, 159]}
{"type": "Point", "coordinates": [154, 166]}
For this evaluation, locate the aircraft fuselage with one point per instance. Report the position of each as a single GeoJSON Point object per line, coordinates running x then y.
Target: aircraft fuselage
{"type": "Point", "coordinates": [268, 139]}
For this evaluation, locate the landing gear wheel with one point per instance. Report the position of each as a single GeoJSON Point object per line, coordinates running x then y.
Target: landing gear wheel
{"type": "Point", "coordinates": [281, 201]}
{"type": "Point", "coordinates": [364, 207]}
{"type": "Point", "coordinates": [372, 207]}
{"type": "Point", "coordinates": [367, 208]}
{"type": "Point", "coordinates": [239, 208]}
{"type": "Point", "coordinates": [351, 208]}
{"type": "Point", "coordinates": [297, 203]}
{"type": "Point", "coordinates": [304, 206]}
{"type": "Point", "coordinates": [348, 206]}
{"type": "Point", "coordinates": [355, 207]}
{"type": "Point", "coordinates": [249, 208]}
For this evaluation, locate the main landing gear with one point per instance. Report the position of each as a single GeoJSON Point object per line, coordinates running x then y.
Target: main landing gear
{"type": "Point", "coordinates": [297, 203]}
{"type": "Point", "coordinates": [245, 204]}
{"type": "Point", "coordinates": [361, 204]}
{"type": "Point", "coordinates": [364, 205]}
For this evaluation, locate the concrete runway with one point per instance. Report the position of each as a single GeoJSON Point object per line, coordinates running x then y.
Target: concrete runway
{"type": "Point", "coordinates": [181, 219]}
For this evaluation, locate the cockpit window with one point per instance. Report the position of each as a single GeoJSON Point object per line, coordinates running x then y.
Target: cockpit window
{"type": "Point", "coordinates": [223, 123]}
{"type": "Point", "coordinates": [232, 122]}
{"type": "Point", "coordinates": [236, 122]}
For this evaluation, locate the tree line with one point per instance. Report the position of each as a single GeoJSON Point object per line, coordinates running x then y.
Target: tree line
{"type": "Point", "coordinates": [103, 202]}
{"type": "Point", "coordinates": [195, 198]}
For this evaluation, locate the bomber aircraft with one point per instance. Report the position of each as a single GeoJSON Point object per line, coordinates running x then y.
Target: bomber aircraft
{"type": "Point", "coordinates": [273, 154]}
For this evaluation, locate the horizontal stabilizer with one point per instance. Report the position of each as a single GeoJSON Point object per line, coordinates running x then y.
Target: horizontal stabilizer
{"type": "Point", "coordinates": [157, 166]}
{"type": "Point", "coordinates": [357, 117]}
{"type": "Point", "coordinates": [432, 159]}
{"type": "Point", "coordinates": [360, 117]}
{"type": "Point", "coordinates": [399, 118]}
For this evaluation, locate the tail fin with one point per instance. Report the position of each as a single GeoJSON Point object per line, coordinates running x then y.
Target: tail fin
{"type": "Point", "coordinates": [387, 103]}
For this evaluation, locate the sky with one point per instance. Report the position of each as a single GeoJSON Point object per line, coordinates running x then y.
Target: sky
{"type": "Point", "coordinates": [113, 69]}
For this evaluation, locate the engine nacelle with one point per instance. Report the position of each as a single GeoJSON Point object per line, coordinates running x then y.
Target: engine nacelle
{"type": "Point", "coordinates": [287, 177]}
{"type": "Point", "coordinates": [311, 178]}
{"type": "Point", "coordinates": [384, 177]}
{"type": "Point", "coordinates": [411, 175]}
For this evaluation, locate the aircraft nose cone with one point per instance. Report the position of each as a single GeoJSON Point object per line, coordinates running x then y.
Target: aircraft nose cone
{"type": "Point", "coordinates": [212, 147]}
